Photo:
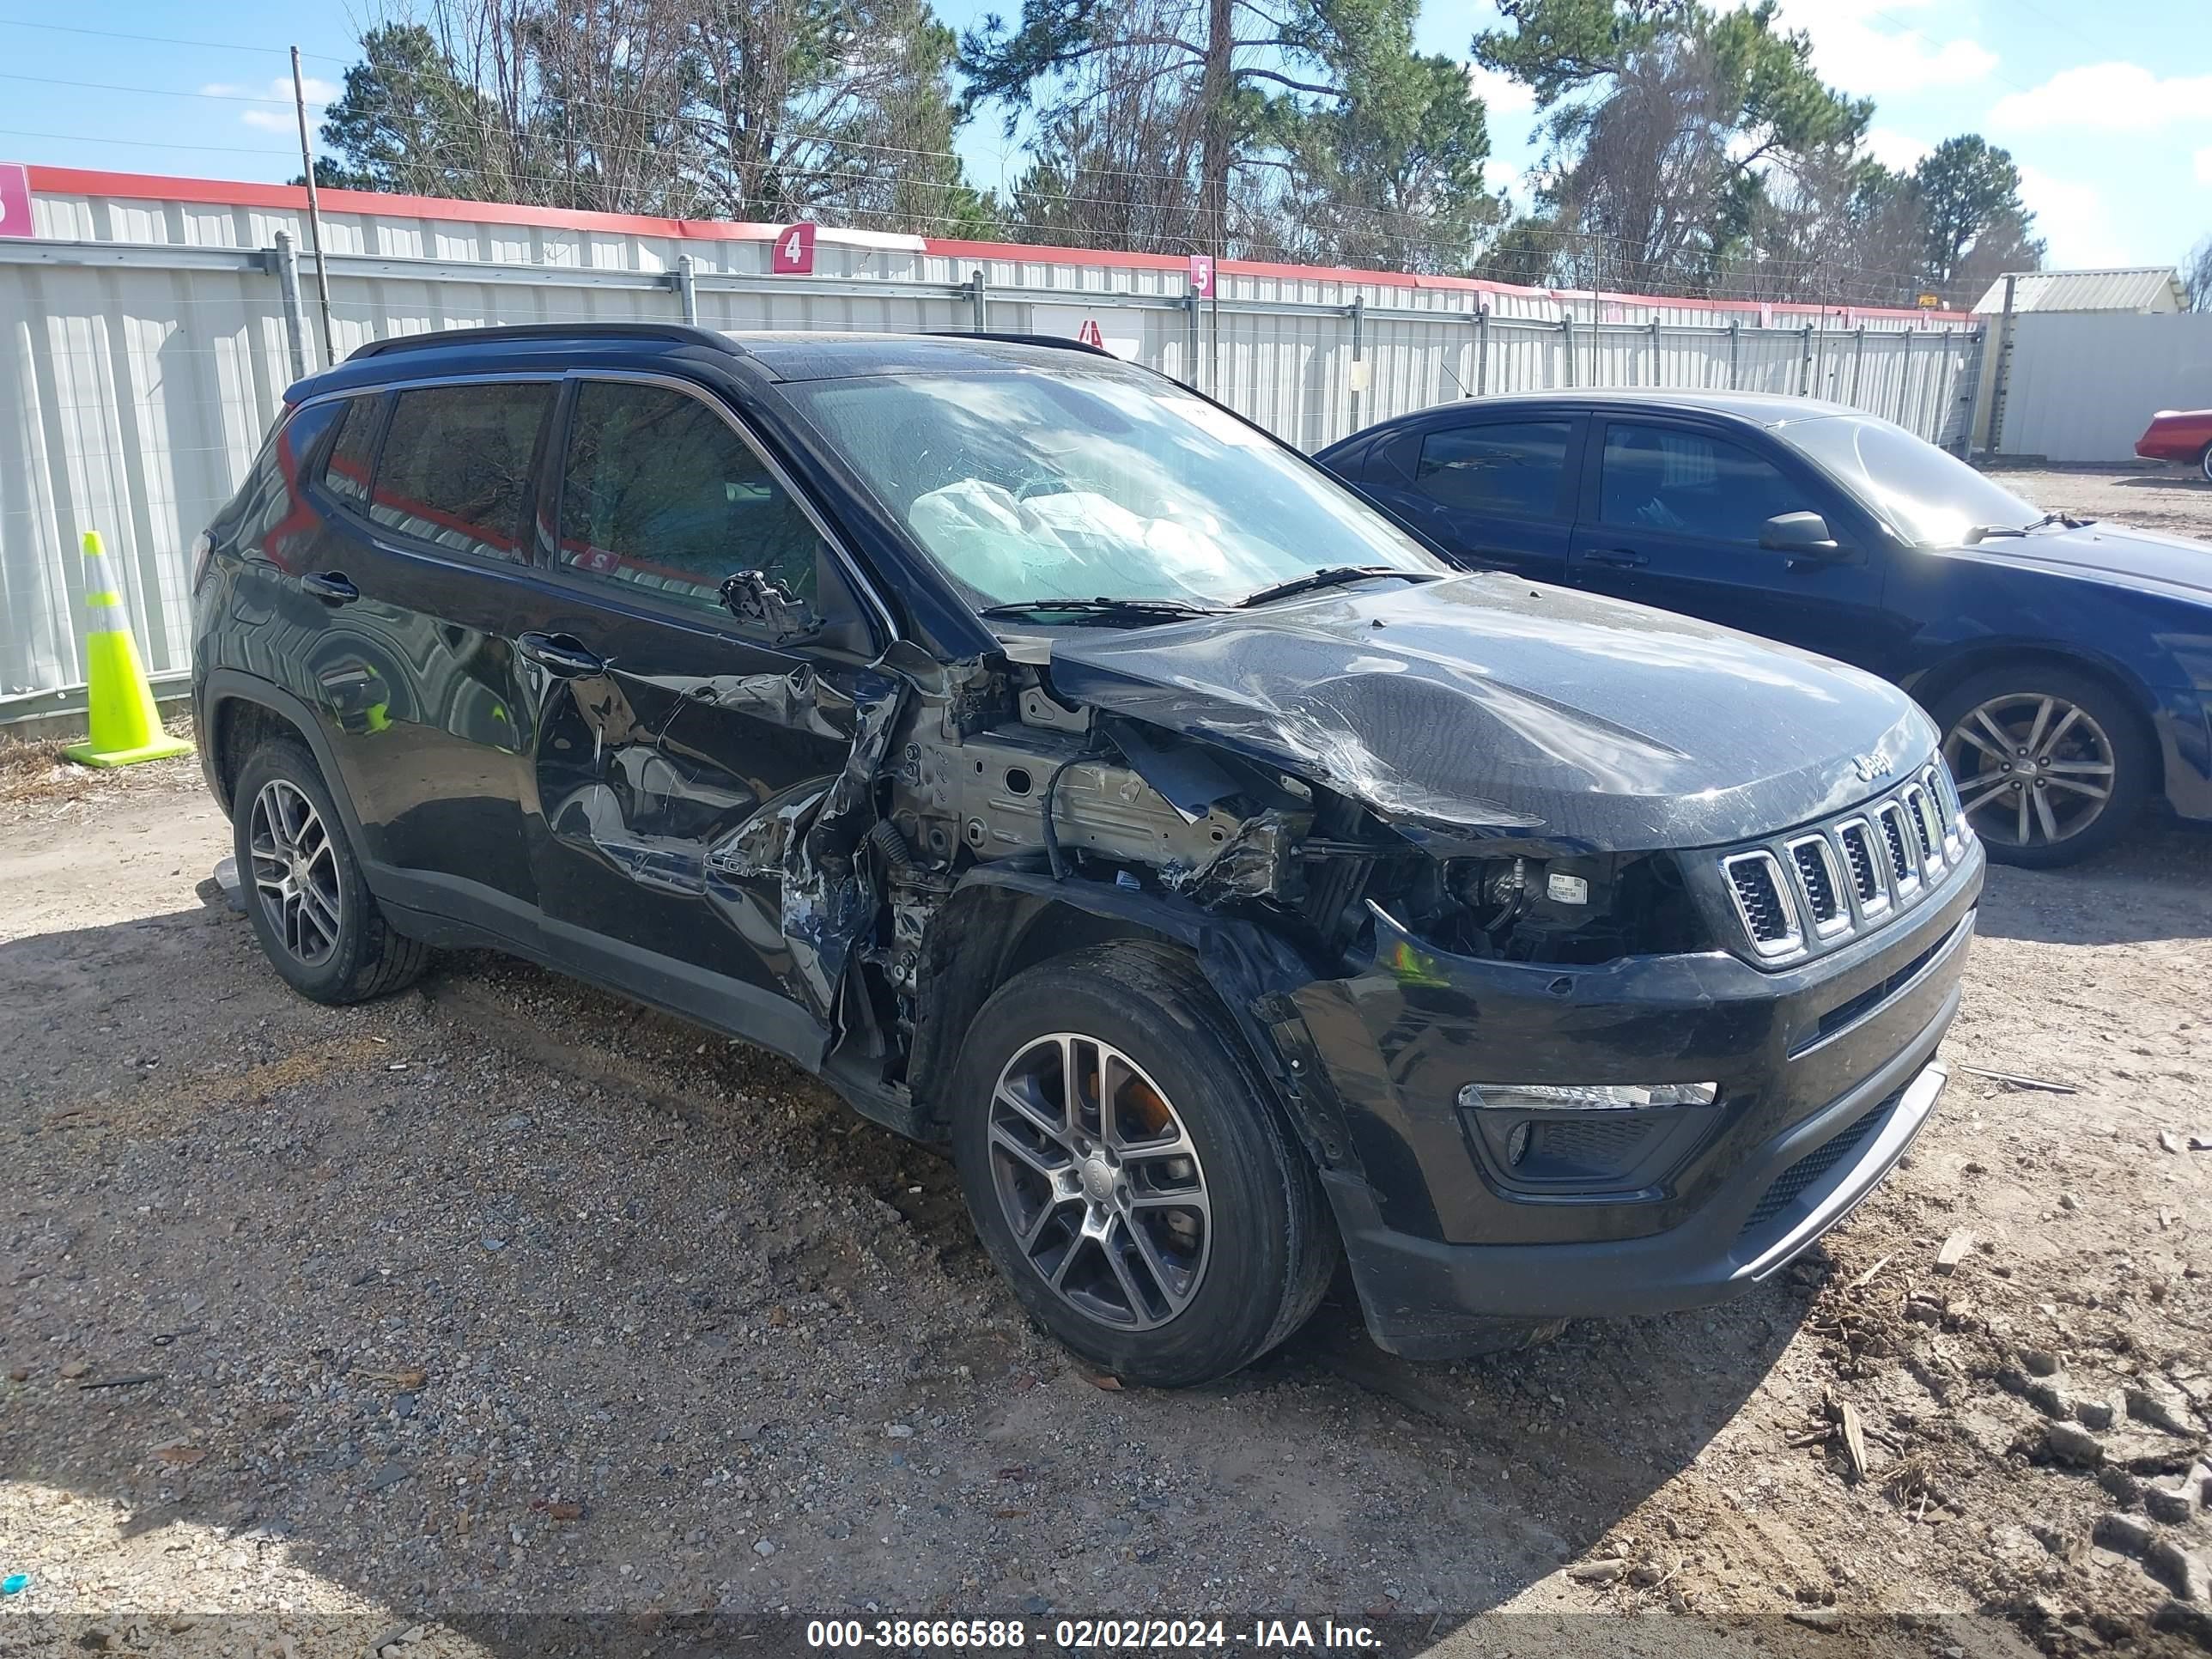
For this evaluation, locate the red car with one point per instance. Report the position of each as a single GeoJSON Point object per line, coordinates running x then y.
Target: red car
{"type": "Point", "coordinates": [2179, 435]}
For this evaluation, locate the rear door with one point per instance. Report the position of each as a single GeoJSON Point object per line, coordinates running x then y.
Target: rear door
{"type": "Point", "coordinates": [402, 610]}
{"type": "Point", "coordinates": [1672, 514]}
{"type": "Point", "coordinates": [1496, 493]}
{"type": "Point", "coordinates": [675, 751]}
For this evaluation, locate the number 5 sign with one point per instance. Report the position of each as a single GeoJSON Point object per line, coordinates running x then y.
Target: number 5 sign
{"type": "Point", "coordinates": [15, 200]}
{"type": "Point", "coordinates": [794, 251]}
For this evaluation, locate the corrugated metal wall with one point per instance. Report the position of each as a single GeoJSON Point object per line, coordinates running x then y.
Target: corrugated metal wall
{"type": "Point", "coordinates": [2083, 386]}
{"type": "Point", "coordinates": [144, 341]}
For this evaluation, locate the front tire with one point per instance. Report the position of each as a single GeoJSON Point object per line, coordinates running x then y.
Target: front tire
{"type": "Point", "coordinates": [2052, 765]}
{"type": "Point", "coordinates": [310, 908]}
{"type": "Point", "coordinates": [2204, 464]}
{"type": "Point", "coordinates": [1128, 1173]}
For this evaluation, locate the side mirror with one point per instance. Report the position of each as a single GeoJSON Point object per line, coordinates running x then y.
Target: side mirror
{"type": "Point", "coordinates": [759, 600]}
{"type": "Point", "coordinates": [1802, 536]}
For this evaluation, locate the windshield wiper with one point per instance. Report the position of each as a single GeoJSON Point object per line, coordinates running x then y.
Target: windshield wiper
{"type": "Point", "coordinates": [1334, 576]}
{"type": "Point", "coordinates": [1983, 531]}
{"type": "Point", "coordinates": [1102, 609]}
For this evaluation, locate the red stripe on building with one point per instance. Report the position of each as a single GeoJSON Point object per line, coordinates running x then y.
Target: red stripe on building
{"type": "Point", "coordinates": [140, 186]}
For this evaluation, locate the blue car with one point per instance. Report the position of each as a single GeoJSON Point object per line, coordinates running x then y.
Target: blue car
{"type": "Point", "coordinates": [2068, 662]}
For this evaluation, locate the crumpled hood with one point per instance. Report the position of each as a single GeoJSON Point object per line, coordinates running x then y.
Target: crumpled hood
{"type": "Point", "coordinates": [2113, 554]}
{"type": "Point", "coordinates": [1487, 705]}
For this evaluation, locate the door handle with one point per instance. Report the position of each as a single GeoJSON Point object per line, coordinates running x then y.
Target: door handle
{"type": "Point", "coordinates": [561, 655]}
{"type": "Point", "coordinates": [330, 585]}
{"type": "Point", "coordinates": [1620, 558]}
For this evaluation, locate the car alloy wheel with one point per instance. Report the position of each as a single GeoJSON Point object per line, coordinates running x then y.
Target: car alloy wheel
{"type": "Point", "coordinates": [1099, 1182]}
{"type": "Point", "coordinates": [2033, 769]}
{"type": "Point", "coordinates": [295, 872]}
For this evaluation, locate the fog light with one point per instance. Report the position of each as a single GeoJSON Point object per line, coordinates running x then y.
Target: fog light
{"type": "Point", "coordinates": [1517, 1145]}
{"type": "Point", "coordinates": [1585, 1096]}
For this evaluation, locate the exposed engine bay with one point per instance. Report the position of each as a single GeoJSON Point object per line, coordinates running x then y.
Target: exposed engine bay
{"type": "Point", "coordinates": [991, 767]}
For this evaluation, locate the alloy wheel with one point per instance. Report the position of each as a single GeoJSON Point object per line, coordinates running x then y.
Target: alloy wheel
{"type": "Point", "coordinates": [295, 871]}
{"type": "Point", "coordinates": [2033, 769]}
{"type": "Point", "coordinates": [1099, 1182]}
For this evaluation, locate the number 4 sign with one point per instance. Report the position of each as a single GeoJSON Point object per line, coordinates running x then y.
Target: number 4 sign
{"type": "Point", "coordinates": [15, 201]}
{"type": "Point", "coordinates": [794, 255]}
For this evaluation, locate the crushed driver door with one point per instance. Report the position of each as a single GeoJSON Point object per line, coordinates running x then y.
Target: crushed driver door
{"type": "Point", "coordinates": [677, 745]}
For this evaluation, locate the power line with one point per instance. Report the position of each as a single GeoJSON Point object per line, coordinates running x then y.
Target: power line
{"type": "Point", "coordinates": [163, 40]}
{"type": "Point", "coordinates": [142, 143]}
{"type": "Point", "coordinates": [148, 92]}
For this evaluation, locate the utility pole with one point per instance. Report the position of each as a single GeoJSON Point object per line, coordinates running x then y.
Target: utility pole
{"type": "Point", "coordinates": [315, 212]}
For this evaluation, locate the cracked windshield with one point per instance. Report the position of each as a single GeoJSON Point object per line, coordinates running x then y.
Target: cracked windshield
{"type": "Point", "coordinates": [1027, 488]}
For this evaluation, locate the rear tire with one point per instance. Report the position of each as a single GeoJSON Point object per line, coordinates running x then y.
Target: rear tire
{"type": "Point", "coordinates": [2044, 738]}
{"type": "Point", "coordinates": [2204, 464]}
{"type": "Point", "coordinates": [310, 908]}
{"type": "Point", "coordinates": [1156, 1218]}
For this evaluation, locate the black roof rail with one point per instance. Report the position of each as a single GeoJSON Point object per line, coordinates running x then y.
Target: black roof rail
{"type": "Point", "coordinates": [1058, 342]}
{"type": "Point", "coordinates": [682, 333]}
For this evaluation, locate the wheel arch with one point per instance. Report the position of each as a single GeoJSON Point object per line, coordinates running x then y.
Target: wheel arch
{"type": "Point", "coordinates": [242, 711]}
{"type": "Point", "coordinates": [1938, 681]}
{"type": "Point", "coordinates": [1033, 919]}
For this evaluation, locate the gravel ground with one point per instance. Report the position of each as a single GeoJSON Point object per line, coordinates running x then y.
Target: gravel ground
{"type": "Point", "coordinates": [502, 1302]}
{"type": "Point", "coordinates": [2151, 494]}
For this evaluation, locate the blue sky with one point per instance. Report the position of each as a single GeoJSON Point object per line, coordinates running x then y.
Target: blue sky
{"type": "Point", "coordinates": [2108, 110]}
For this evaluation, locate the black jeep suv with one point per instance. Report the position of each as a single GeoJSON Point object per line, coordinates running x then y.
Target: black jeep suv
{"type": "Point", "coordinates": [1068, 772]}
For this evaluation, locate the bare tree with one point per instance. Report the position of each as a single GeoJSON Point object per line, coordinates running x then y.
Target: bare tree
{"type": "Point", "coordinates": [1835, 228]}
{"type": "Point", "coordinates": [746, 108]}
{"type": "Point", "coordinates": [2196, 276]}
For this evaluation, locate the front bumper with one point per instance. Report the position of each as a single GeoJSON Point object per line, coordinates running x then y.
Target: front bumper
{"type": "Point", "coordinates": [1429, 1300]}
{"type": "Point", "coordinates": [1827, 1072]}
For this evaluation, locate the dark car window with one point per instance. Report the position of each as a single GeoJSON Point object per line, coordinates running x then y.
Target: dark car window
{"type": "Point", "coordinates": [1690, 483]}
{"type": "Point", "coordinates": [659, 493]}
{"type": "Point", "coordinates": [346, 475]}
{"type": "Point", "coordinates": [456, 465]}
{"type": "Point", "coordinates": [1510, 469]}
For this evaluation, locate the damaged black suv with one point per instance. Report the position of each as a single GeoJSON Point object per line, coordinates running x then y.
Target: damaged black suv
{"type": "Point", "coordinates": [1071, 774]}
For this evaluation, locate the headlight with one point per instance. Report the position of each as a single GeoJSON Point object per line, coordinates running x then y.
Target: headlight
{"type": "Point", "coordinates": [1585, 1096]}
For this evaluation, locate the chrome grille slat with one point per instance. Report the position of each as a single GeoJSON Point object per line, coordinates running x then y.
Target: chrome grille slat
{"type": "Point", "coordinates": [1896, 837]}
{"type": "Point", "coordinates": [1763, 902]}
{"type": "Point", "coordinates": [1849, 876]}
{"type": "Point", "coordinates": [1869, 884]}
{"type": "Point", "coordinates": [1820, 883]}
{"type": "Point", "coordinates": [1920, 813]}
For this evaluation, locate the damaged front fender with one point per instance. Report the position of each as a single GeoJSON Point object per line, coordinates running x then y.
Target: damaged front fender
{"type": "Point", "coordinates": [1001, 918]}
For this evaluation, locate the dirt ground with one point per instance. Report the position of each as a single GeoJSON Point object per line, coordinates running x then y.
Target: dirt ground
{"type": "Point", "coordinates": [504, 1318]}
{"type": "Point", "coordinates": [2151, 496]}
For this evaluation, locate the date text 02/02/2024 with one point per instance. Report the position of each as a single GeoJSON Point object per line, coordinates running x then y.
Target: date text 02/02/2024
{"type": "Point", "coordinates": [1264, 1635]}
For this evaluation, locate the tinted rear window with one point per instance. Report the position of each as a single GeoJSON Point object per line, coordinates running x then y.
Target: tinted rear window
{"type": "Point", "coordinates": [456, 465]}
{"type": "Point", "coordinates": [346, 475]}
{"type": "Point", "coordinates": [1513, 470]}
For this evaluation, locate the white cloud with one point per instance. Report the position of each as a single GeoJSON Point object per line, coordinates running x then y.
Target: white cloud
{"type": "Point", "coordinates": [2072, 218]}
{"type": "Point", "coordinates": [1864, 47]}
{"type": "Point", "coordinates": [275, 113]}
{"type": "Point", "coordinates": [2203, 159]}
{"type": "Point", "coordinates": [1900, 152]}
{"type": "Point", "coordinates": [2117, 97]}
{"type": "Point", "coordinates": [1501, 94]}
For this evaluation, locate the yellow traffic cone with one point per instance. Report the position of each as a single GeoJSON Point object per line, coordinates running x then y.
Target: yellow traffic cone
{"type": "Point", "coordinates": [125, 728]}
